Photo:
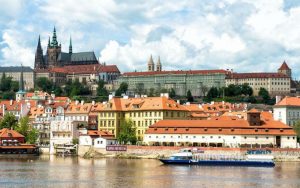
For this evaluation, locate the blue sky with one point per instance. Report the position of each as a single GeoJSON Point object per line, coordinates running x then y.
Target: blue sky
{"type": "Point", "coordinates": [243, 35]}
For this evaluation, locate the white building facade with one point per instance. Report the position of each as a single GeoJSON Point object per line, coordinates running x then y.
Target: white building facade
{"type": "Point", "coordinates": [288, 110]}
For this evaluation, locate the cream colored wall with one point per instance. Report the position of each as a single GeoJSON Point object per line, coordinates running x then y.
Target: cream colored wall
{"type": "Point", "coordinates": [27, 76]}
{"type": "Point", "coordinates": [272, 85]}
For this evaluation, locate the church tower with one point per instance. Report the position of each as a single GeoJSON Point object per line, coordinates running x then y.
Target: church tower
{"type": "Point", "coordinates": [285, 69]}
{"type": "Point", "coordinates": [158, 65]}
{"type": "Point", "coordinates": [150, 64]}
{"type": "Point", "coordinates": [39, 62]}
{"type": "Point", "coordinates": [53, 51]}
{"type": "Point", "coordinates": [20, 95]}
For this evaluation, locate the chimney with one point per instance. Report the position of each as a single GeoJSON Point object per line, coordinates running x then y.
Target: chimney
{"type": "Point", "coordinates": [93, 103]}
{"type": "Point", "coordinates": [278, 99]}
{"type": "Point", "coordinates": [178, 101]}
{"type": "Point", "coordinates": [82, 102]}
{"type": "Point", "coordinates": [11, 102]}
{"type": "Point", "coordinates": [76, 102]}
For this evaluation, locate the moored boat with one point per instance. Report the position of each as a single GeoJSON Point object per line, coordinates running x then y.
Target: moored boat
{"type": "Point", "coordinates": [187, 157]}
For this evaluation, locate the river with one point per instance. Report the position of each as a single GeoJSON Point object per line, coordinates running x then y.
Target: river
{"type": "Point", "coordinates": [54, 171]}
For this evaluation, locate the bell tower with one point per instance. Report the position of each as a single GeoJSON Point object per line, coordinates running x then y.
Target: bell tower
{"type": "Point", "coordinates": [150, 64]}
{"type": "Point", "coordinates": [53, 51]}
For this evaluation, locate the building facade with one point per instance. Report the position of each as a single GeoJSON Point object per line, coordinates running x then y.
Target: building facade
{"type": "Point", "coordinates": [254, 132]}
{"type": "Point", "coordinates": [15, 74]}
{"type": "Point", "coordinates": [197, 81]}
{"type": "Point", "coordinates": [288, 110]}
{"type": "Point", "coordinates": [275, 83]}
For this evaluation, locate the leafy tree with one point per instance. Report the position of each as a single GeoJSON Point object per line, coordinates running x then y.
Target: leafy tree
{"type": "Point", "coordinates": [8, 95]}
{"type": "Point", "coordinates": [14, 86]}
{"type": "Point", "coordinates": [264, 94]}
{"type": "Point", "coordinates": [246, 90]}
{"type": "Point", "coordinates": [44, 84]}
{"type": "Point", "coordinates": [151, 92]}
{"type": "Point", "coordinates": [189, 96]}
{"type": "Point", "coordinates": [101, 90]}
{"type": "Point", "coordinates": [212, 93]}
{"type": "Point", "coordinates": [23, 126]}
{"type": "Point", "coordinates": [32, 136]}
{"type": "Point", "coordinates": [75, 88]}
{"type": "Point", "coordinates": [296, 128]}
{"type": "Point", "coordinates": [122, 89]}
{"type": "Point", "coordinates": [8, 121]}
{"type": "Point", "coordinates": [204, 89]}
{"type": "Point", "coordinates": [172, 93]}
{"type": "Point", "coordinates": [127, 133]}
{"type": "Point", "coordinates": [5, 83]}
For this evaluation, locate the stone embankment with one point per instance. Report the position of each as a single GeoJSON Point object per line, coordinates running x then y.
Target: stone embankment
{"type": "Point", "coordinates": [154, 152]}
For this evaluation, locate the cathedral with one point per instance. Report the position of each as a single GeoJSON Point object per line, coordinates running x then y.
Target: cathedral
{"type": "Point", "coordinates": [54, 57]}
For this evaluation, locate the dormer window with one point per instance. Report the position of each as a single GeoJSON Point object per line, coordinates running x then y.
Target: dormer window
{"type": "Point", "coordinates": [267, 130]}
{"type": "Point", "coordinates": [187, 129]}
{"type": "Point", "coordinates": [205, 129]}
{"type": "Point", "coordinates": [220, 130]}
{"type": "Point", "coordinates": [232, 129]}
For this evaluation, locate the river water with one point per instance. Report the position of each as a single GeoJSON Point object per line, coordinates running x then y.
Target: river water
{"type": "Point", "coordinates": [54, 171]}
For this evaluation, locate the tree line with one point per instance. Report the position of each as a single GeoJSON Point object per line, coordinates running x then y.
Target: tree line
{"type": "Point", "coordinates": [8, 87]}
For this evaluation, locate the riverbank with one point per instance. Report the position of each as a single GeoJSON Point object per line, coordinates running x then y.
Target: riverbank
{"type": "Point", "coordinates": [155, 152]}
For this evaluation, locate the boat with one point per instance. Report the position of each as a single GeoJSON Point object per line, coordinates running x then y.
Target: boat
{"type": "Point", "coordinates": [189, 157]}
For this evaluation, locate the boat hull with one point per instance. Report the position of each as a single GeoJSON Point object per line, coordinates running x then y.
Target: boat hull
{"type": "Point", "coordinates": [220, 163]}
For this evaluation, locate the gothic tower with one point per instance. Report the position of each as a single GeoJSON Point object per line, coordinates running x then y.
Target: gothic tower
{"type": "Point", "coordinates": [39, 62]}
{"type": "Point", "coordinates": [20, 95]}
{"type": "Point", "coordinates": [150, 64]}
{"type": "Point", "coordinates": [53, 51]}
{"type": "Point", "coordinates": [158, 65]}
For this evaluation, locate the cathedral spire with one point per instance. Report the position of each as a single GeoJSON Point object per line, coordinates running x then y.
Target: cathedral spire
{"type": "Point", "coordinates": [39, 42]}
{"type": "Point", "coordinates": [70, 46]}
{"type": "Point", "coordinates": [49, 42]}
{"type": "Point", "coordinates": [54, 38]}
{"type": "Point", "coordinates": [21, 84]}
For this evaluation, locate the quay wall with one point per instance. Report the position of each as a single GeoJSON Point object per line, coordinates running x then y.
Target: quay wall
{"type": "Point", "coordinates": [280, 154]}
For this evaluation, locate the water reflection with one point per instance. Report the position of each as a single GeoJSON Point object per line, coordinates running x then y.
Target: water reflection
{"type": "Point", "coordinates": [76, 172]}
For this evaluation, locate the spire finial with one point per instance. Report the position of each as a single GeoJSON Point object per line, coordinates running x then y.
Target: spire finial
{"type": "Point", "coordinates": [54, 38]}
{"type": "Point", "coordinates": [70, 45]}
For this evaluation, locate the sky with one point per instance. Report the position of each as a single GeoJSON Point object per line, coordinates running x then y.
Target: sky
{"type": "Point", "coordinates": [243, 35]}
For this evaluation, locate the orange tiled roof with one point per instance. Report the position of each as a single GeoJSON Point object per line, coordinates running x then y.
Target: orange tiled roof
{"type": "Point", "coordinates": [231, 127]}
{"type": "Point", "coordinates": [36, 111]}
{"type": "Point", "coordinates": [175, 72]}
{"type": "Point", "coordinates": [79, 108]}
{"type": "Point", "coordinates": [11, 105]}
{"type": "Point", "coordinates": [137, 104]}
{"type": "Point", "coordinates": [5, 133]}
{"type": "Point", "coordinates": [104, 134]}
{"type": "Point", "coordinates": [289, 101]}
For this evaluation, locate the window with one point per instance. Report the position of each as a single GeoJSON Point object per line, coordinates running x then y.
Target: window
{"type": "Point", "coordinates": [256, 137]}
{"type": "Point", "coordinates": [194, 137]}
{"type": "Point", "coordinates": [267, 137]}
{"type": "Point", "coordinates": [288, 137]}
{"type": "Point", "coordinates": [233, 137]}
{"type": "Point", "coordinates": [245, 137]}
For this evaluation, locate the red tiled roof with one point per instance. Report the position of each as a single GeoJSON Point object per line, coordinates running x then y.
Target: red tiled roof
{"type": "Point", "coordinates": [109, 68]}
{"type": "Point", "coordinates": [284, 66]}
{"type": "Point", "coordinates": [255, 75]}
{"type": "Point", "coordinates": [175, 72]}
{"type": "Point", "coordinates": [9, 133]}
{"type": "Point", "coordinates": [289, 101]}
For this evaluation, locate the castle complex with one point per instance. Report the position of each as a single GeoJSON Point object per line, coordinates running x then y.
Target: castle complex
{"type": "Point", "coordinates": [54, 57]}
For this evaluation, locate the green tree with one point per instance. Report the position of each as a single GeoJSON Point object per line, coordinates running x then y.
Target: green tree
{"type": "Point", "coordinates": [247, 90]}
{"type": "Point", "coordinates": [139, 88]}
{"type": "Point", "coordinates": [189, 96]}
{"type": "Point", "coordinates": [127, 133]}
{"type": "Point", "coordinates": [32, 136]}
{"type": "Point", "coordinates": [264, 94]}
{"type": "Point", "coordinates": [151, 92]}
{"type": "Point", "coordinates": [14, 86]}
{"type": "Point", "coordinates": [122, 89]}
{"type": "Point", "coordinates": [7, 95]}
{"type": "Point", "coordinates": [8, 121]}
{"type": "Point", "coordinates": [101, 90]}
{"type": "Point", "coordinates": [23, 126]}
{"type": "Point", "coordinates": [212, 93]}
{"type": "Point", "coordinates": [296, 128]}
{"type": "Point", "coordinates": [172, 93]}
{"type": "Point", "coordinates": [44, 84]}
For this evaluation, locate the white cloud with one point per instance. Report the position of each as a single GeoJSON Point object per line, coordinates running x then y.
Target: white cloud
{"type": "Point", "coordinates": [15, 51]}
